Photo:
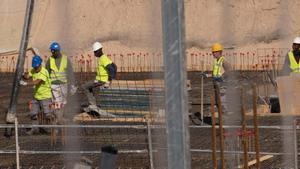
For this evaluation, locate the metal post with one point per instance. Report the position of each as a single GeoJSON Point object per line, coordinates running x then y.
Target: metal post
{"type": "Point", "coordinates": [220, 113]}
{"type": "Point", "coordinates": [17, 143]}
{"type": "Point", "coordinates": [175, 85]}
{"type": "Point", "coordinates": [213, 131]}
{"type": "Point", "coordinates": [244, 131]}
{"type": "Point", "coordinates": [295, 144]}
{"type": "Point", "coordinates": [202, 95]}
{"type": "Point", "coordinates": [10, 116]}
{"type": "Point", "coordinates": [150, 149]}
{"type": "Point", "coordinates": [255, 122]}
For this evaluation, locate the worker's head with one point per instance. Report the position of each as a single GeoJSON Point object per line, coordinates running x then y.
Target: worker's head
{"type": "Point", "coordinates": [97, 48]}
{"type": "Point", "coordinates": [217, 50]}
{"type": "Point", "coordinates": [37, 63]}
{"type": "Point", "coordinates": [296, 44]}
{"type": "Point", "coordinates": [55, 49]}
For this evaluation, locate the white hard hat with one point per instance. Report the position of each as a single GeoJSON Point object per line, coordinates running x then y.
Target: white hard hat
{"type": "Point", "coordinates": [97, 46]}
{"type": "Point", "coordinates": [297, 40]}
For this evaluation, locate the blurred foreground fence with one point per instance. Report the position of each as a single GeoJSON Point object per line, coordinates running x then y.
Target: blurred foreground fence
{"type": "Point", "coordinates": [84, 142]}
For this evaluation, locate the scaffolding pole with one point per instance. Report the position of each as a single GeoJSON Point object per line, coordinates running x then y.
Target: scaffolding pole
{"type": "Point", "coordinates": [175, 85]}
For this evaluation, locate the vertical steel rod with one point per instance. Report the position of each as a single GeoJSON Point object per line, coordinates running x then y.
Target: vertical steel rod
{"type": "Point", "coordinates": [17, 143]}
{"type": "Point", "coordinates": [213, 131]}
{"type": "Point", "coordinates": [256, 131]}
{"type": "Point", "coordinates": [220, 113]}
{"type": "Point", "coordinates": [244, 130]}
{"type": "Point", "coordinates": [295, 144]}
{"type": "Point", "coordinates": [150, 148]}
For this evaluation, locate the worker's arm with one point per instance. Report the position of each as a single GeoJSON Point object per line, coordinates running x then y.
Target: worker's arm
{"type": "Point", "coordinates": [227, 66]}
{"type": "Point", "coordinates": [285, 71]}
{"type": "Point", "coordinates": [28, 76]}
{"type": "Point", "coordinates": [111, 71]}
{"type": "Point", "coordinates": [227, 69]}
{"type": "Point", "coordinates": [47, 66]}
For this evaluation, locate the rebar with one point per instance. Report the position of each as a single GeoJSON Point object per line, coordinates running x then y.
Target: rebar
{"type": "Point", "coordinates": [213, 131]}
{"type": "Point", "coordinates": [220, 115]}
{"type": "Point", "coordinates": [255, 123]}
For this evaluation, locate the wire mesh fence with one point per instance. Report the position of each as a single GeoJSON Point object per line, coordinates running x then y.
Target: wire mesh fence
{"type": "Point", "coordinates": [136, 98]}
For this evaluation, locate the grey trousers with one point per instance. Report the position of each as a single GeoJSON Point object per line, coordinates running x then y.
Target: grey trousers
{"type": "Point", "coordinates": [39, 106]}
{"type": "Point", "coordinates": [88, 90]}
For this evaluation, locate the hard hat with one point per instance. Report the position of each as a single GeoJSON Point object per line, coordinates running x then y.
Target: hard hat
{"type": "Point", "coordinates": [97, 46]}
{"type": "Point", "coordinates": [297, 40]}
{"type": "Point", "coordinates": [54, 46]}
{"type": "Point", "coordinates": [36, 61]}
{"type": "Point", "coordinates": [216, 47]}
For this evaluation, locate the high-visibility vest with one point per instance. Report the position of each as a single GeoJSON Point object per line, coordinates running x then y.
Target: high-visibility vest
{"type": "Point", "coordinates": [295, 67]}
{"type": "Point", "coordinates": [217, 66]}
{"type": "Point", "coordinates": [102, 73]}
{"type": "Point", "coordinates": [59, 74]}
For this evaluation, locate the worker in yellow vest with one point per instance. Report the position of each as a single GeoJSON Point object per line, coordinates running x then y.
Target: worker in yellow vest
{"type": "Point", "coordinates": [106, 71]}
{"type": "Point", "coordinates": [292, 59]}
{"type": "Point", "coordinates": [62, 77]}
{"type": "Point", "coordinates": [42, 90]}
{"type": "Point", "coordinates": [220, 66]}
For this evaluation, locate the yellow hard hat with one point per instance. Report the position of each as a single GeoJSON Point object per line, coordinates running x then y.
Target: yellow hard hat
{"type": "Point", "coordinates": [216, 47]}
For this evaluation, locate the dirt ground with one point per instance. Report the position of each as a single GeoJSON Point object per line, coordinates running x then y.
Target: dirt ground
{"type": "Point", "coordinates": [91, 139]}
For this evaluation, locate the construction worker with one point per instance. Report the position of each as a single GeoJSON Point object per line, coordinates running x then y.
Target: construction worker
{"type": "Point", "coordinates": [292, 59]}
{"type": "Point", "coordinates": [62, 78]}
{"type": "Point", "coordinates": [42, 90]}
{"type": "Point", "coordinates": [106, 71]}
{"type": "Point", "coordinates": [220, 66]}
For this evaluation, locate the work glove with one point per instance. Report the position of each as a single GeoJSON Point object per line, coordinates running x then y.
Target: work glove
{"type": "Point", "coordinates": [23, 83]}
{"type": "Point", "coordinates": [73, 89]}
{"type": "Point", "coordinates": [204, 75]}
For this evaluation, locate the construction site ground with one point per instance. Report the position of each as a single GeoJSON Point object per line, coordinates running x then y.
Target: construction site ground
{"type": "Point", "coordinates": [91, 139]}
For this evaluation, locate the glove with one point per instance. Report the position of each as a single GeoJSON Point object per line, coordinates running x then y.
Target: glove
{"type": "Point", "coordinates": [23, 83]}
{"type": "Point", "coordinates": [204, 75]}
{"type": "Point", "coordinates": [106, 85]}
{"type": "Point", "coordinates": [73, 89]}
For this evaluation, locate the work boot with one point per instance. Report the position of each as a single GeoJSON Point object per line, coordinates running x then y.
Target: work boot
{"type": "Point", "coordinates": [32, 130]}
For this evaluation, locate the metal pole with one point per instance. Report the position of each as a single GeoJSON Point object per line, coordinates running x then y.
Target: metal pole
{"type": "Point", "coordinates": [201, 108]}
{"type": "Point", "coordinates": [213, 131]}
{"type": "Point", "coordinates": [295, 144]}
{"type": "Point", "coordinates": [244, 131]}
{"type": "Point", "coordinates": [10, 116]}
{"type": "Point", "coordinates": [220, 113]}
{"type": "Point", "coordinates": [17, 144]}
{"type": "Point", "coordinates": [150, 148]}
{"type": "Point", "coordinates": [175, 85]}
{"type": "Point", "coordinates": [256, 131]}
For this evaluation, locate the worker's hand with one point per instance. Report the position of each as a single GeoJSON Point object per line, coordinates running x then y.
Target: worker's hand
{"type": "Point", "coordinates": [107, 85]}
{"type": "Point", "coordinates": [23, 83]}
{"type": "Point", "coordinates": [25, 75]}
{"type": "Point", "coordinates": [203, 75]}
{"type": "Point", "coordinates": [73, 89]}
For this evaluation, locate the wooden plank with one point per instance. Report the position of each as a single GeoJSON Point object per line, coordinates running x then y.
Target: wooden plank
{"type": "Point", "coordinates": [252, 162]}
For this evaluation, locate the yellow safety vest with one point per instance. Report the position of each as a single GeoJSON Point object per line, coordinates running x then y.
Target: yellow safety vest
{"type": "Point", "coordinates": [217, 66]}
{"type": "Point", "coordinates": [59, 74]}
{"type": "Point", "coordinates": [43, 91]}
{"type": "Point", "coordinates": [295, 67]}
{"type": "Point", "coordinates": [102, 73]}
